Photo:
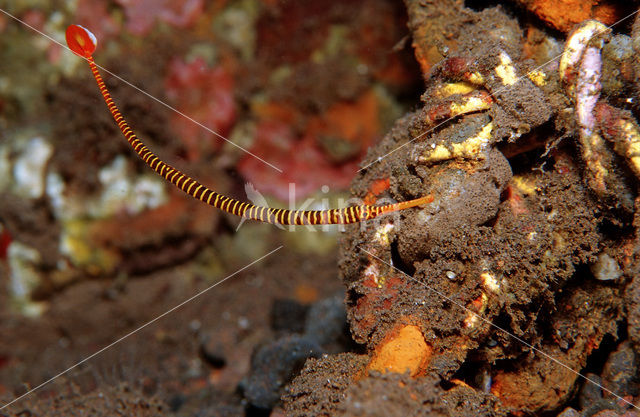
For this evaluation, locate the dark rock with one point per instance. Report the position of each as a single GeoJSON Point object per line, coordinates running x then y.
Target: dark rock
{"type": "Point", "coordinates": [273, 366]}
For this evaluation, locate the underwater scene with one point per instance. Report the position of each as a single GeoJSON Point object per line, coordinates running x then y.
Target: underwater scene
{"type": "Point", "coordinates": [256, 208]}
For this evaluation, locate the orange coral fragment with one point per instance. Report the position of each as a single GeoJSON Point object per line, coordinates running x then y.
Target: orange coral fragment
{"type": "Point", "coordinates": [406, 350]}
{"type": "Point", "coordinates": [357, 122]}
{"type": "Point", "coordinates": [377, 187]}
{"type": "Point", "coordinates": [565, 14]}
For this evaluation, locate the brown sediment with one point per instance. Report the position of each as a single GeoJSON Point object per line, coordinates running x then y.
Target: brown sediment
{"type": "Point", "coordinates": [503, 242]}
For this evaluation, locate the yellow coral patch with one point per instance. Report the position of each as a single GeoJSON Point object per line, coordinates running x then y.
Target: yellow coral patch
{"type": "Point", "coordinates": [524, 185]}
{"type": "Point", "coordinates": [450, 89]}
{"type": "Point", "coordinates": [632, 144]}
{"type": "Point", "coordinates": [476, 78]}
{"type": "Point", "coordinates": [469, 105]}
{"type": "Point", "coordinates": [538, 77]}
{"type": "Point", "coordinates": [471, 148]}
{"type": "Point", "coordinates": [506, 71]}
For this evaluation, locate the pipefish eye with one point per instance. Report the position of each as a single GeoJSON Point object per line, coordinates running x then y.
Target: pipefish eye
{"type": "Point", "coordinates": [81, 41]}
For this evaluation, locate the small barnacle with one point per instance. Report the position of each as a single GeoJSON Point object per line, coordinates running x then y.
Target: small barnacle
{"type": "Point", "coordinates": [490, 282]}
{"type": "Point", "coordinates": [372, 272]}
{"type": "Point", "coordinates": [470, 320]}
{"type": "Point", "coordinates": [382, 234]}
{"type": "Point", "coordinates": [479, 305]}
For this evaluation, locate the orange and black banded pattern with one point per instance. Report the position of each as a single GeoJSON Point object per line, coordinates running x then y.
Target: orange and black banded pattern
{"type": "Point", "coordinates": [83, 44]}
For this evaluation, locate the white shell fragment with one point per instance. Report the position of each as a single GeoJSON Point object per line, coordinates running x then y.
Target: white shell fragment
{"type": "Point", "coordinates": [606, 268]}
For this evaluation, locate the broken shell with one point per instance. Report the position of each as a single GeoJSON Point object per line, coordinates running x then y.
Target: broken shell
{"type": "Point", "coordinates": [606, 268]}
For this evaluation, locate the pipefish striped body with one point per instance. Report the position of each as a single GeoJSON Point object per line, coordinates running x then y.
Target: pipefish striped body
{"type": "Point", "coordinates": [83, 43]}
